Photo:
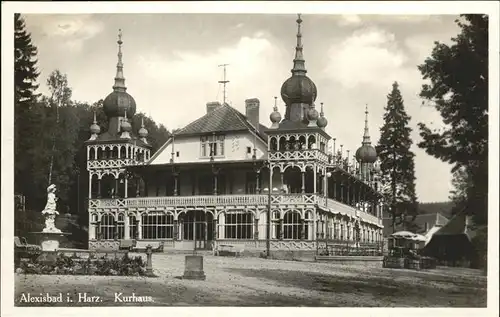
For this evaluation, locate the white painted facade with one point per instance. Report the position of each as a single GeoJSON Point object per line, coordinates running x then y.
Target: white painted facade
{"type": "Point", "coordinates": [187, 149]}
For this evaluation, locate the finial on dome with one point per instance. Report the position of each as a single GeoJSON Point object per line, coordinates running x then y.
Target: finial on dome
{"type": "Point", "coordinates": [95, 129]}
{"type": "Point", "coordinates": [322, 122]}
{"type": "Point", "coordinates": [312, 115]}
{"type": "Point", "coordinates": [366, 135]}
{"type": "Point", "coordinates": [119, 78]}
{"type": "Point", "coordinates": [143, 132]}
{"type": "Point", "coordinates": [299, 67]}
{"type": "Point", "coordinates": [275, 116]}
{"type": "Point", "coordinates": [126, 127]}
{"type": "Point", "coordinates": [366, 153]}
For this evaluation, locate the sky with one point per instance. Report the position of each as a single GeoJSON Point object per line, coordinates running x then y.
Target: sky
{"type": "Point", "coordinates": [171, 67]}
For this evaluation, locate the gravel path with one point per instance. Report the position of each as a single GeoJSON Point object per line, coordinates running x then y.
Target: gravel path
{"type": "Point", "coordinates": [249, 281]}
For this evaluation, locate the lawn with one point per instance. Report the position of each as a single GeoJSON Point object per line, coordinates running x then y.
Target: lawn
{"type": "Point", "coordinates": [259, 282]}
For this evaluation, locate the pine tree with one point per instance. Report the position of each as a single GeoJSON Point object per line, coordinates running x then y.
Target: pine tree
{"type": "Point", "coordinates": [397, 165]}
{"type": "Point", "coordinates": [25, 60]}
{"type": "Point", "coordinates": [26, 122]}
{"type": "Point", "coordinates": [458, 89]}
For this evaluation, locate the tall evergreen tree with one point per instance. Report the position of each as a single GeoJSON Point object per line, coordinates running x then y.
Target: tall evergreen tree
{"type": "Point", "coordinates": [25, 120]}
{"type": "Point", "coordinates": [458, 89]}
{"type": "Point", "coordinates": [397, 163]}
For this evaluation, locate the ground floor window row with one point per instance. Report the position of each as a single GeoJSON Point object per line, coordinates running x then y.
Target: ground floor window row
{"type": "Point", "coordinates": [197, 225]}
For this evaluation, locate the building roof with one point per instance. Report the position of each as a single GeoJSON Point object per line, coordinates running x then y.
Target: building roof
{"type": "Point", "coordinates": [222, 119]}
{"type": "Point", "coordinates": [433, 219]}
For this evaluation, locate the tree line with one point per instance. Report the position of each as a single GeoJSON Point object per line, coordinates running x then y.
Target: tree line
{"type": "Point", "coordinates": [50, 131]}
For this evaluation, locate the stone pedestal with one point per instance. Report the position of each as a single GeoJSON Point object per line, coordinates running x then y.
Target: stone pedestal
{"type": "Point", "coordinates": [193, 269]}
{"type": "Point", "coordinates": [49, 241]}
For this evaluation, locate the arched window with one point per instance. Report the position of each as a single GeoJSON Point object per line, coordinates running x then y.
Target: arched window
{"type": "Point", "coordinates": [238, 225]}
{"type": "Point", "coordinates": [292, 226]}
{"type": "Point", "coordinates": [273, 144]}
{"type": "Point", "coordinates": [121, 226]}
{"type": "Point", "coordinates": [107, 227]}
{"type": "Point", "coordinates": [91, 154]}
{"type": "Point", "coordinates": [132, 226]}
{"type": "Point", "coordinates": [157, 225]}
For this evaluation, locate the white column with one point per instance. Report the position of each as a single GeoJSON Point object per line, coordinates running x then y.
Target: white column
{"type": "Point", "coordinates": [222, 222]}
{"type": "Point", "coordinates": [119, 148]}
{"type": "Point", "coordinates": [262, 226]}
{"type": "Point", "coordinates": [126, 186]}
{"type": "Point", "coordinates": [91, 230]}
{"type": "Point", "coordinates": [139, 228]}
{"type": "Point", "coordinates": [126, 227]}
{"type": "Point", "coordinates": [90, 185]}
{"type": "Point", "coordinates": [315, 178]}
{"type": "Point", "coordinates": [315, 223]}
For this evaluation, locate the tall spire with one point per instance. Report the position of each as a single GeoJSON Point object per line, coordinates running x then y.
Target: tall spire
{"type": "Point", "coordinates": [299, 67]}
{"type": "Point", "coordinates": [366, 135]}
{"type": "Point", "coordinates": [119, 79]}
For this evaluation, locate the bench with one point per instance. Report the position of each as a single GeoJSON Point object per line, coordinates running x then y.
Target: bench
{"type": "Point", "coordinates": [221, 249]}
{"type": "Point", "coordinates": [140, 246]}
{"type": "Point", "coordinates": [127, 244]}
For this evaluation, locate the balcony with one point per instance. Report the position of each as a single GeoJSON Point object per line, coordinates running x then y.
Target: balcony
{"type": "Point", "coordinates": [282, 200]}
{"type": "Point", "coordinates": [112, 163]}
{"type": "Point", "coordinates": [314, 154]}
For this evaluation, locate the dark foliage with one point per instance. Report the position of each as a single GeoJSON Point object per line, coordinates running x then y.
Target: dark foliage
{"type": "Point", "coordinates": [397, 162]}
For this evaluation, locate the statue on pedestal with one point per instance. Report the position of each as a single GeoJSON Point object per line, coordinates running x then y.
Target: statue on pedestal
{"type": "Point", "coordinates": [50, 211]}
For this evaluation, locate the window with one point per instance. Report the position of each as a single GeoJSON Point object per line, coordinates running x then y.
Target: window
{"type": "Point", "coordinates": [157, 225]}
{"type": "Point", "coordinates": [177, 154]}
{"type": "Point", "coordinates": [107, 227]}
{"type": "Point", "coordinates": [292, 226]}
{"type": "Point", "coordinates": [121, 226]}
{"type": "Point", "coordinates": [212, 145]}
{"type": "Point", "coordinates": [238, 225]}
{"type": "Point", "coordinates": [132, 223]}
{"type": "Point", "coordinates": [249, 150]}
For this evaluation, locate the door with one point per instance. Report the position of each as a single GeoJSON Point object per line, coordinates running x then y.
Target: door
{"type": "Point", "coordinates": [197, 230]}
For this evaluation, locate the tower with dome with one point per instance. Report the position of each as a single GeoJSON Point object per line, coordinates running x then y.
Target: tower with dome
{"type": "Point", "coordinates": [227, 179]}
{"type": "Point", "coordinates": [109, 153]}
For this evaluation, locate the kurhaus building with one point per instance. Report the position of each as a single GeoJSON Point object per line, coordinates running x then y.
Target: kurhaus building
{"type": "Point", "coordinates": [227, 179]}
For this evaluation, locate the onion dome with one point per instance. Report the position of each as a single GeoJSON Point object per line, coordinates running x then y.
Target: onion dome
{"type": "Point", "coordinates": [119, 101]}
{"type": "Point", "coordinates": [312, 113]}
{"type": "Point", "coordinates": [95, 128]}
{"type": "Point", "coordinates": [322, 122]}
{"type": "Point", "coordinates": [298, 88]}
{"type": "Point", "coordinates": [125, 125]}
{"type": "Point", "coordinates": [275, 116]}
{"type": "Point", "coordinates": [143, 132]}
{"type": "Point", "coordinates": [366, 153]}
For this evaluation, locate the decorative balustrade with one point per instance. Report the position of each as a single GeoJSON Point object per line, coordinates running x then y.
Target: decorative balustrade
{"type": "Point", "coordinates": [112, 163]}
{"type": "Point", "coordinates": [238, 200]}
{"type": "Point", "coordinates": [174, 201]}
{"type": "Point", "coordinates": [293, 199]}
{"type": "Point", "coordinates": [107, 203]}
{"type": "Point", "coordinates": [315, 154]}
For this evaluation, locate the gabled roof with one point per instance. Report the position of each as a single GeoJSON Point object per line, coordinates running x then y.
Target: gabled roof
{"type": "Point", "coordinates": [456, 226]}
{"type": "Point", "coordinates": [222, 119]}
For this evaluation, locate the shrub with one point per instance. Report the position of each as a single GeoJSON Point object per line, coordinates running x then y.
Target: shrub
{"type": "Point", "coordinates": [65, 265]}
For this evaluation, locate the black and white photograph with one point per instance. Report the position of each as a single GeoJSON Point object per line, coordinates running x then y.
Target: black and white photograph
{"type": "Point", "coordinates": [250, 154]}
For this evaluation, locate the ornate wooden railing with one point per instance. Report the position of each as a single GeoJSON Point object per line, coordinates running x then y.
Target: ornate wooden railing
{"type": "Point", "coordinates": [112, 163]}
{"type": "Point", "coordinates": [314, 154]}
{"type": "Point", "coordinates": [237, 200]}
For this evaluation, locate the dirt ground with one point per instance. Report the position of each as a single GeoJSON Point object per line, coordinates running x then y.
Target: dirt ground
{"type": "Point", "coordinates": [248, 281]}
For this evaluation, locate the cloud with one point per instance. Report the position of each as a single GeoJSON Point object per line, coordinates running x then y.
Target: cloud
{"type": "Point", "coordinates": [369, 56]}
{"type": "Point", "coordinates": [68, 30]}
{"type": "Point", "coordinates": [181, 73]}
{"type": "Point", "coordinates": [349, 20]}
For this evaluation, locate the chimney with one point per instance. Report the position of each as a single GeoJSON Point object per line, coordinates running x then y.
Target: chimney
{"type": "Point", "coordinates": [252, 111]}
{"type": "Point", "coordinates": [211, 106]}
